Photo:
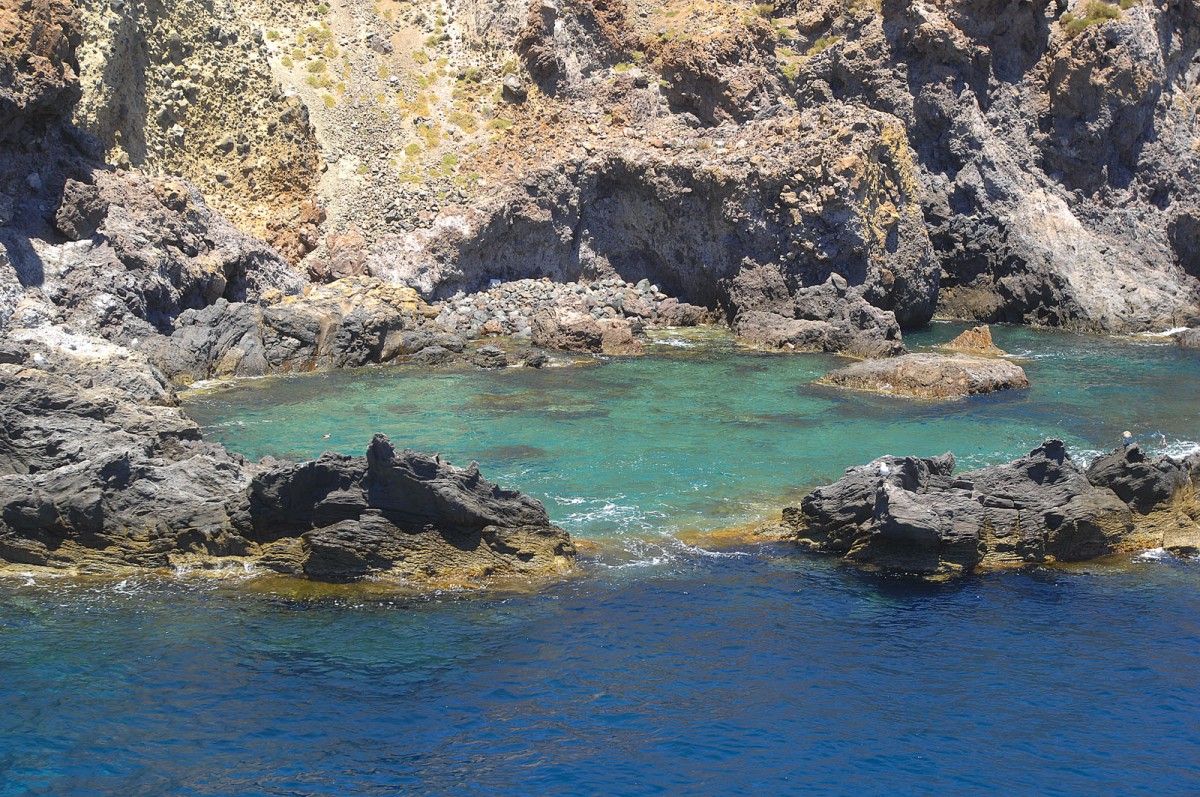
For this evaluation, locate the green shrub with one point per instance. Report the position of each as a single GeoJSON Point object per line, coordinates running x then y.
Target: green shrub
{"type": "Point", "coordinates": [822, 44]}
{"type": "Point", "coordinates": [1097, 12]}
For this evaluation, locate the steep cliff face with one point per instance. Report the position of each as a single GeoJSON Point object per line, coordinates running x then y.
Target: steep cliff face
{"type": "Point", "coordinates": [993, 159]}
{"type": "Point", "coordinates": [1057, 160]}
{"type": "Point", "coordinates": [709, 217]}
{"type": "Point", "coordinates": [184, 87]}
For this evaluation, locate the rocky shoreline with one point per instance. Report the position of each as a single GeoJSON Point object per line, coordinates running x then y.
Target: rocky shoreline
{"type": "Point", "coordinates": [117, 287]}
{"type": "Point", "coordinates": [915, 516]}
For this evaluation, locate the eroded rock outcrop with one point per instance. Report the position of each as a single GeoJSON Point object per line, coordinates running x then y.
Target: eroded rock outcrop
{"type": "Point", "coordinates": [39, 75]}
{"type": "Point", "coordinates": [932, 376]}
{"type": "Point", "coordinates": [976, 341]}
{"type": "Point", "coordinates": [185, 87]}
{"type": "Point", "coordinates": [93, 480]}
{"type": "Point", "coordinates": [737, 228]}
{"type": "Point", "coordinates": [915, 516]}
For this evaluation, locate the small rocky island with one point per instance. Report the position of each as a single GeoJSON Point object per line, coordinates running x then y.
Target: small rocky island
{"type": "Point", "coordinates": [931, 376]}
{"type": "Point", "coordinates": [915, 516]}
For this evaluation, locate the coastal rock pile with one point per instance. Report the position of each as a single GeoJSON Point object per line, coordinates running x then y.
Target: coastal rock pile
{"type": "Point", "coordinates": [509, 308]}
{"type": "Point", "coordinates": [398, 513]}
{"type": "Point", "coordinates": [913, 515]}
{"type": "Point", "coordinates": [351, 322]}
{"type": "Point", "coordinates": [933, 376]}
{"type": "Point", "coordinates": [94, 481]}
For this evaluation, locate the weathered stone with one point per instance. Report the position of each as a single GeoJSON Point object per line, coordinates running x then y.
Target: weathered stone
{"type": "Point", "coordinates": [489, 357]}
{"type": "Point", "coordinates": [93, 480]}
{"type": "Point", "coordinates": [977, 341]}
{"type": "Point", "coordinates": [81, 212]}
{"type": "Point", "coordinates": [571, 329]}
{"type": "Point", "coordinates": [914, 516]}
{"type": "Point", "coordinates": [1145, 484]}
{"type": "Point", "coordinates": [830, 317]}
{"type": "Point", "coordinates": [930, 376]}
{"type": "Point", "coordinates": [1189, 339]}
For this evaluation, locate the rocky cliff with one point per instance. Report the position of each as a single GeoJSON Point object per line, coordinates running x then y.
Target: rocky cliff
{"type": "Point", "coordinates": [115, 285]}
{"type": "Point", "coordinates": [993, 159]}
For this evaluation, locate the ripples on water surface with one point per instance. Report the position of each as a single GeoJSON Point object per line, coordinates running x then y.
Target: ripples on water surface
{"type": "Point", "coordinates": [661, 668]}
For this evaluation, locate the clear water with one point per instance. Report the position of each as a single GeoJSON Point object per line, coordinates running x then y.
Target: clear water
{"type": "Point", "coordinates": [663, 668]}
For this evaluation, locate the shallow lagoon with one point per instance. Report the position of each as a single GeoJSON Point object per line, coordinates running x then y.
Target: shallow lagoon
{"type": "Point", "coordinates": [663, 667]}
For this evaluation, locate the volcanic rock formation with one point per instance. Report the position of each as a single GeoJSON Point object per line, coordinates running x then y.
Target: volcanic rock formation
{"type": "Point", "coordinates": [914, 515]}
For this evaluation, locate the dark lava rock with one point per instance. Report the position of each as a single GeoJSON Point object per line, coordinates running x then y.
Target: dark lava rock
{"type": "Point", "coordinates": [82, 211]}
{"type": "Point", "coordinates": [914, 516]}
{"type": "Point", "coordinates": [401, 513]}
{"type": "Point", "coordinates": [490, 357]}
{"type": "Point", "coordinates": [93, 480]}
{"type": "Point", "coordinates": [1145, 484]}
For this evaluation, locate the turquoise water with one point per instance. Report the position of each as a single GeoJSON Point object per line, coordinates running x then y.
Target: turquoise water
{"type": "Point", "coordinates": [663, 667]}
{"type": "Point", "coordinates": [702, 434]}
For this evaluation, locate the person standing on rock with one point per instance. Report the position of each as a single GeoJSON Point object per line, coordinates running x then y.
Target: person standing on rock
{"type": "Point", "coordinates": [1127, 438]}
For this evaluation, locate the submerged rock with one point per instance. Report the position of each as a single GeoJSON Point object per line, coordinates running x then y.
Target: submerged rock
{"type": "Point", "coordinates": [915, 516]}
{"type": "Point", "coordinates": [930, 376]}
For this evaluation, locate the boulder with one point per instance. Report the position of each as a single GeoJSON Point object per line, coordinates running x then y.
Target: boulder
{"type": "Point", "coordinates": [912, 515]}
{"type": "Point", "coordinates": [1146, 484]}
{"type": "Point", "coordinates": [490, 357]}
{"type": "Point", "coordinates": [977, 341]}
{"type": "Point", "coordinates": [81, 212]}
{"type": "Point", "coordinates": [674, 313]}
{"type": "Point", "coordinates": [932, 376]}
{"type": "Point", "coordinates": [573, 329]}
{"type": "Point", "coordinates": [830, 317]}
{"type": "Point", "coordinates": [1189, 338]}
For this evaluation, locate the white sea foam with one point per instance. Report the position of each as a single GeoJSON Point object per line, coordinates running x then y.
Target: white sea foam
{"type": "Point", "coordinates": [1154, 555]}
{"type": "Point", "coordinates": [1179, 448]}
{"type": "Point", "coordinates": [678, 343]}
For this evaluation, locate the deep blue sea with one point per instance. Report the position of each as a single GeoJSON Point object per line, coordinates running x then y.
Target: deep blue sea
{"type": "Point", "coordinates": [666, 665]}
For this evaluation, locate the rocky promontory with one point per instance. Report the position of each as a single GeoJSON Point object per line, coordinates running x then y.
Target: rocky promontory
{"type": "Point", "coordinates": [94, 480]}
{"type": "Point", "coordinates": [915, 516]}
